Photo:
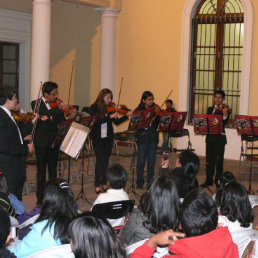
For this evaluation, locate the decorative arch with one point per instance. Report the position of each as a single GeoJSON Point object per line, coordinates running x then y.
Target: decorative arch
{"type": "Point", "coordinates": [188, 14]}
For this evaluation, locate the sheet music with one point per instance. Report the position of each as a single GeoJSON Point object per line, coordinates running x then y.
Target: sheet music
{"type": "Point", "coordinates": [74, 140]}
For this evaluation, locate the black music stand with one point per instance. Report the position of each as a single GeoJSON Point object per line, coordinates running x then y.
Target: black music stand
{"type": "Point", "coordinates": [247, 128]}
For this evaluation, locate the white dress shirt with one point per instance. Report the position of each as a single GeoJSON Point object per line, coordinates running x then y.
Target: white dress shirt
{"type": "Point", "coordinates": [8, 112]}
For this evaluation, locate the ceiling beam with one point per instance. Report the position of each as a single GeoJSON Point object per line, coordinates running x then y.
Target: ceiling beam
{"type": "Point", "coordinates": [93, 3]}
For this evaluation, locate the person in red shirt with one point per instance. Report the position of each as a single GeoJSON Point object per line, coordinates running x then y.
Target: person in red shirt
{"type": "Point", "coordinates": [202, 237]}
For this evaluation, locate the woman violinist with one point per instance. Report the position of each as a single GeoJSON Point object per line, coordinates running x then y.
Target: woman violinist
{"type": "Point", "coordinates": [147, 141]}
{"type": "Point", "coordinates": [103, 135]}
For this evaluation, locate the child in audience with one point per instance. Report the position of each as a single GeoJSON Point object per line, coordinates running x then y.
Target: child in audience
{"type": "Point", "coordinates": [8, 200]}
{"type": "Point", "coordinates": [51, 228]}
{"type": "Point", "coordinates": [116, 180]}
{"type": "Point", "coordinates": [93, 237]}
{"type": "Point", "coordinates": [5, 234]}
{"type": "Point", "coordinates": [237, 214]}
{"type": "Point", "coordinates": [199, 219]}
{"type": "Point", "coordinates": [184, 174]}
{"type": "Point", "coordinates": [158, 211]}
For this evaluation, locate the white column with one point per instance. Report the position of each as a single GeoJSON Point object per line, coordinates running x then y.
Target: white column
{"type": "Point", "coordinates": [40, 49]}
{"type": "Point", "coordinates": [108, 48]}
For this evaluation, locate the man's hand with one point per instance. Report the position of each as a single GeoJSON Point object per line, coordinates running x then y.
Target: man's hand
{"type": "Point", "coordinates": [28, 137]}
{"type": "Point", "coordinates": [31, 148]}
{"type": "Point", "coordinates": [114, 115]}
{"type": "Point", "coordinates": [167, 237]}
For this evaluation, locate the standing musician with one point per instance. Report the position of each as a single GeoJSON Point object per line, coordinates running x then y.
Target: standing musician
{"type": "Point", "coordinates": [13, 149]}
{"type": "Point", "coordinates": [45, 133]}
{"type": "Point", "coordinates": [147, 142]}
{"type": "Point", "coordinates": [215, 143]}
{"type": "Point", "coordinates": [103, 136]}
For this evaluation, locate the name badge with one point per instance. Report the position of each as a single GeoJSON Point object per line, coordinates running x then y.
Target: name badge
{"type": "Point", "coordinates": [104, 130]}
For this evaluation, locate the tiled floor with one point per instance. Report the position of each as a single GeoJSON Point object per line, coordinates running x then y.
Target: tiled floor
{"type": "Point", "coordinates": [30, 199]}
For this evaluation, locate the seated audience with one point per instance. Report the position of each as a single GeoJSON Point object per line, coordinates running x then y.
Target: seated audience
{"type": "Point", "coordinates": [5, 234]}
{"type": "Point", "coordinates": [184, 174]}
{"type": "Point", "coordinates": [227, 178]}
{"type": "Point", "coordinates": [158, 211]}
{"type": "Point", "coordinates": [236, 213]}
{"type": "Point", "coordinates": [4, 199]}
{"type": "Point", "coordinates": [199, 219]}
{"type": "Point", "coordinates": [116, 180]}
{"type": "Point", "coordinates": [93, 237]}
{"type": "Point", "coordinates": [51, 228]}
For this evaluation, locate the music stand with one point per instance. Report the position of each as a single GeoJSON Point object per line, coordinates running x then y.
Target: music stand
{"type": "Point", "coordinates": [248, 126]}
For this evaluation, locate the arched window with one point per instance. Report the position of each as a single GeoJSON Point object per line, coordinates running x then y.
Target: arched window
{"type": "Point", "coordinates": [216, 56]}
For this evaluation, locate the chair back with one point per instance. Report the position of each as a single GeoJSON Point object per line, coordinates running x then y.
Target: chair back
{"type": "Point", "coordinates": [114, 210]}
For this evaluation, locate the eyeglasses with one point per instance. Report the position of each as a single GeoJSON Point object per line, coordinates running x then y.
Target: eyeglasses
{"type": "Point", "coordinates": [54, 94]}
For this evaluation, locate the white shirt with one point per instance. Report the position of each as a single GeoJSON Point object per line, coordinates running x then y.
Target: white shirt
{"type": "Point", "coordinates": [8, 112]}
{"type": "Point", "coordinates": [113, 195]}
{"type": "Point", "coordinates": [47, 104]}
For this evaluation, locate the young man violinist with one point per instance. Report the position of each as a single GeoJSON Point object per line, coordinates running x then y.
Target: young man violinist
{"type": "Point", "coordinates": [45, 133]}
{"type": "Point", "coordinates": [215, 143]}
{"type": "Point", "coordinates": [13, 149]}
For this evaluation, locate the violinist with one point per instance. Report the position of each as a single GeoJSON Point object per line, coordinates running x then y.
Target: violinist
{"type": "Point", "coordinates": [147, 142]}
{"type": "Point", "coordinates": [169, 108]}
{"type": "Point", "coordinates": [13, 149]}
{"type": "Point", "coordinates": [102, 135]}
{"type": "Point", "coordinates": [215, 143]}
{"type": "Point", "coordinates": [45, 133]}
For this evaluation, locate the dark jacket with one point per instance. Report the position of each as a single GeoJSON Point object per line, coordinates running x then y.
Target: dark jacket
{"type": "Point", "coordinates": [6, 204]}
{"type": "Point", "coordinates": [46, 131]}
{"type": "Point", "coordinates": [96, 131]}
{"type": "Point", "coordinates": [150, 134]}
{"type": "Point", "coordinates": [4, 253]}
{"type": "Point", "coordinates": [217, 138]}
{"type": "Point", "coordinates": [184, 183]}
{"type": "Point", "coordinates": [12, 152]}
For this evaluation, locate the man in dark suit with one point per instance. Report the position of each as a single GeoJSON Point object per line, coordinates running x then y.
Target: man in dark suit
{"type": "Point", "coordinates": [215, 143]}
{"type": "Point", "coordinates": [13, 150]}
{"type": "Point", "coordinates": [45, 133]}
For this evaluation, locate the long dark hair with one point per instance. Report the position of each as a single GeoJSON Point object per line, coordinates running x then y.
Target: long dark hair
{"type": "Point", "coordinates": [227, 178]}
{"type": "Point", "coordinates": [235, 204]}
{"type": "Point", "coordinates": [94, 237]}
{"type": "Point", "coordinates": [100, 101]}
{"type": "Point", "coordinates": [162, 205]}
{"type": "Point", "coordinates": [145, 95]}
{"type": "Point", "coordinates": [3, 183]}
{"type": "Point", "coordinates": [58, 208]}
{"type": "Point", "coordinates": [190, 163]}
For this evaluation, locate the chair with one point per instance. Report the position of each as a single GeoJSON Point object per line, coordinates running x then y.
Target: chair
{"type": "Point", "coordinates": [247, 153]}
{"type": "Point", "coordinates": [114, 210]}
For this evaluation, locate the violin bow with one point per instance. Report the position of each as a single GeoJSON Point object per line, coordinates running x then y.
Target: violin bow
{"type": "Point", "coordinates": [161, 107]}
{"type": "Point", "coordinates": [36, 110]}
{"type": "Point", "coordinates": [120, 90]}
{"type": "Point", "coordinates": [70, 86]}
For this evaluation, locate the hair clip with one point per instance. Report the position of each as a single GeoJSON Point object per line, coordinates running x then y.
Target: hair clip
{"type": "Point", "coordinates": [64, 185]}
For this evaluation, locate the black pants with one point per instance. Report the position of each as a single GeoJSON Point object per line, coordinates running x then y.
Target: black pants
{"type": "Point", "coordinates": [16, 187]}
{"type": "Point", "coordinates": [103, 149]}
{"type": "Point", "coordinates": [46, 157]}
{"type": "Point", "coordinates": [214, 159]}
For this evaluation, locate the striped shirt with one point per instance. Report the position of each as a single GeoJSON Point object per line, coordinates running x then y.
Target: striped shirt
{"type": "Point", "coordinates": [6, 205]}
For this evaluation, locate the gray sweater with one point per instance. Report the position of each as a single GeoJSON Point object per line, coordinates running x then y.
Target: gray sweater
{"type": "Point", "coordinates": [134, 230]}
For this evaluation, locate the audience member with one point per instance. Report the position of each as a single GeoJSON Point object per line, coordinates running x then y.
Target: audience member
{"type": "Point", "coordinates": [158, 211]}
{"type": "Point", "coordinates": [236, 213]}
{"type": "Point", "coordinates": [51, 228]}
{"type": "Point", "coordinates": [199, 219]}
{"type": "Point", "coordinates": [5, 234]}
{"type": "Point", "coordinates": [116, 180]}
{"type": "Point", "coordinates": [184, 174]}
{"type": "Point", "coordinates": [8, 200]}
{"type": "Point", "coordinates": [93, 237]}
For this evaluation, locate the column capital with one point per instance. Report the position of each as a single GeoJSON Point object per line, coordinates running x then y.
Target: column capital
{"type": "Point", "coordinates": [108, 11]}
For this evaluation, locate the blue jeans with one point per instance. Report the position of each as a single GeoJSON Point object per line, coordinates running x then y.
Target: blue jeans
{"type": "Point", "coordinates": [146, 151]}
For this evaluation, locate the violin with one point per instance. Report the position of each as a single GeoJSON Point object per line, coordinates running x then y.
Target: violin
{"type": "Point", "coordinates": [121, 109]}
{"type": "Point", "coordinates": [221, 107]}
{"type": "Point", "coordinates": [57, 102]}
{"type": "Point", "coordinates": [23, 117]}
